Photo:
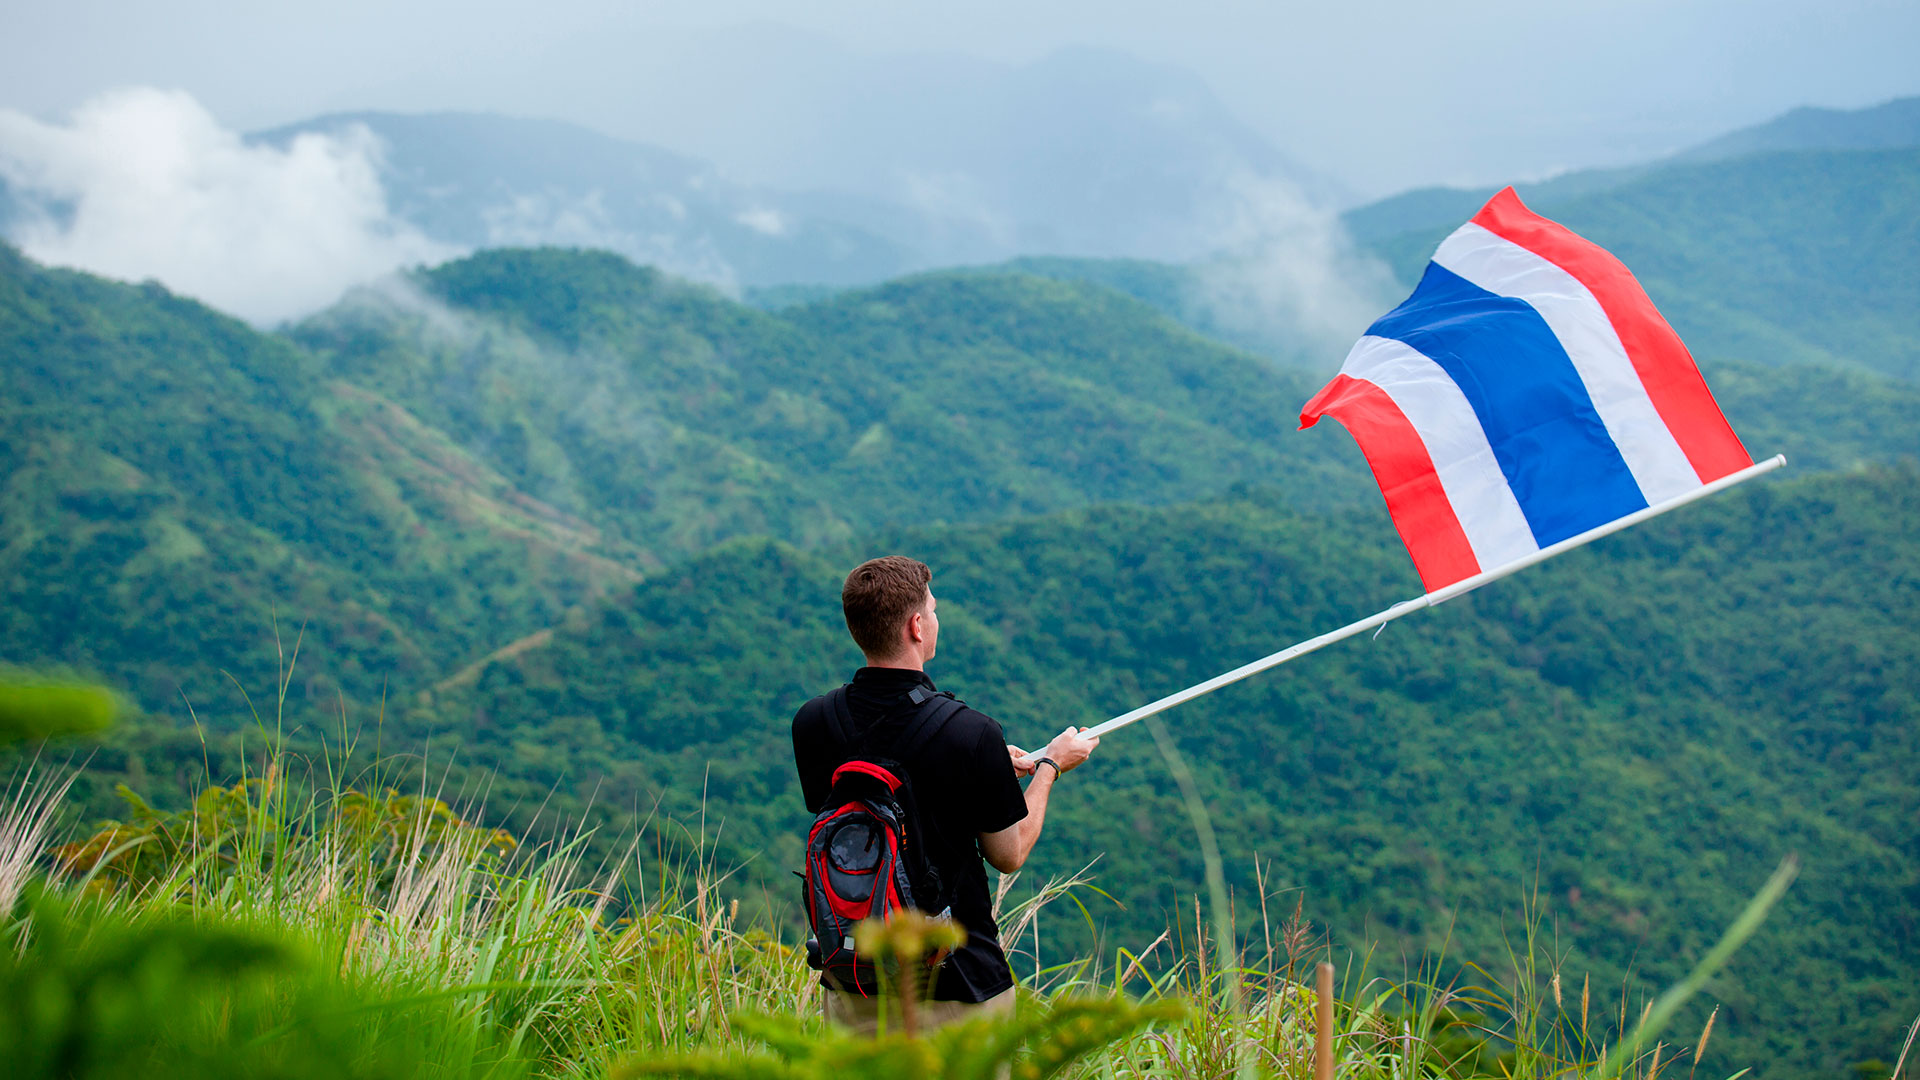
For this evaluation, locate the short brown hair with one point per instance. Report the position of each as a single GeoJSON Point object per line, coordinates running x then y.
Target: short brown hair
{"type": "Point", "coordinates": [878, 597]}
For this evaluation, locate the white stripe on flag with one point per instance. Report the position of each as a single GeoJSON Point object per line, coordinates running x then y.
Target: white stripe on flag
{"type": "Point", "coordinates": [1468, 471]}
{"type": "Point", "coordinates": [1504, 268]}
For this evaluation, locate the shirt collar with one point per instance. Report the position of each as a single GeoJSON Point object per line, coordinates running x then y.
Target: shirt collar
{"type": "Point", "coordinates": [898, 679]}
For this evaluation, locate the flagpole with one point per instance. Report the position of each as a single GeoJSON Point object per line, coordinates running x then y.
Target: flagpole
{"type": "Point", "coordinates": [1436, 597]}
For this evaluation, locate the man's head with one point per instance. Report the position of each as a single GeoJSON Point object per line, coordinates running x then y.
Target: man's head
{"type": "Point", "coordinates": [889, 606]}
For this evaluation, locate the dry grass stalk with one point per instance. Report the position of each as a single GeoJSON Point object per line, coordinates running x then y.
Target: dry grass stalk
{"type": "Point", "coordinates": [1911, 1032]}
{"type": "Point", "coordinates": [1266, 925]}
{"type": "Point", "coordinates": [1294, 934]}
{"type": "Point", "coordinates": [1705, 1034]}
{"type": "Point", "coordinates": [1586, 988]}
{"type": "Point", "coordinates": [1200, 940]}
{"type": "Point", "coordinates": [1015, 922]}
{"type": "Point", "coordinates": [26, 828]}
{"type": "Point", "coordinates": [1323, 1036]}
{"type": "Point", "coordinates": [1141, 958]}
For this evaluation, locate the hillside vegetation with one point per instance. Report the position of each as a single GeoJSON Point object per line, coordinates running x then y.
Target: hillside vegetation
{"type": "Point", "coordinates": [426, 475]}
{"type": "Point", "coordinates": [636, 497]}
{"type": "Point", "coordinates": [420, 492]}
{"type": "Point", "coordinates": [681, 418]}
{"type": "Point", "coordinates": [1639, 732]}
{"type": "Point", "coordinates": [168, 477]}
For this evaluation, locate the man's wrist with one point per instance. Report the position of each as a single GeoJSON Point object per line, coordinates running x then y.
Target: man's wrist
{"type": "Point", "coordinates": [1037, 762]}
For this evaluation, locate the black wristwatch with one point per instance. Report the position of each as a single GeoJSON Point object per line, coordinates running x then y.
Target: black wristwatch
{"type": "Point", "coordinates": [1047, 761]}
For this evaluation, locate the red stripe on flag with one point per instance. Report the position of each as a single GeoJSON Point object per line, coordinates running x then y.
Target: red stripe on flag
{"type": "Point", "coordinates": [1659, 357]}
{"type": "Point", "coordinates": [1400, 462]}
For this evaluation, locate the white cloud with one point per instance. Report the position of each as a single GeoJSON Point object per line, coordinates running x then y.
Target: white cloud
{"type": "Point", "coordinates": [1288, 271]}
{"type": "Point", "coordinates": [956, 197]}
{"type": "Point", "coordinates": [763, 220]}
{"type": "Point", "coordinates": [561, 219]}
{"type": "Point", "coordinates": [145, 183]}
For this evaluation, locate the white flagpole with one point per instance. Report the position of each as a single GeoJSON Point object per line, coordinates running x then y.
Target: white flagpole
{"type": "Point", "coordinates": [1438, 596]}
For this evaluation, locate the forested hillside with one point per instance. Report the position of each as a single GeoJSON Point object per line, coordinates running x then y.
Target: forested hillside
{"type": "Point", "coordinates": [429, 473]}
{"type": "Point", "coordinates": [642, 495]}
{"type": "Point", "coordinates": [681, 419]}
{"type": "Point", "coordinates": [170, 477]}
{"type": "Point", "coordinates": [173, 478]}
{"type": "Point", "coordinates": [1639, 732]}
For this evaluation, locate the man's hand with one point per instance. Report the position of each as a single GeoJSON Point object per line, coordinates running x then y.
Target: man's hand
{"type": "Point", "coordinates": [1008, 849]}
{"type": "Point", "coordinates": [1069, 749]}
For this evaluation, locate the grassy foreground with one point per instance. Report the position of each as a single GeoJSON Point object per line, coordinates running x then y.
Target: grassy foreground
{"type": "Point", "coordinates": [276, 929]}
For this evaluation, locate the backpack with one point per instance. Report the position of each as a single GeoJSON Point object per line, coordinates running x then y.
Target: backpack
{"type": "Point", "coordinates": [866, 855]}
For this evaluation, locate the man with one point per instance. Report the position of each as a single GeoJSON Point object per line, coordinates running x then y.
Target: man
{"type": "Point", "coordinates": [965, 782]}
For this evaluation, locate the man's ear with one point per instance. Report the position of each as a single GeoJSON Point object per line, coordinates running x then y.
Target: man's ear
{"type": "Point", "coordinates": [914, 632]}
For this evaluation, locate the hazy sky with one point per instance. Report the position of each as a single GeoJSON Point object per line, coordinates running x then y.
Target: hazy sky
{"type": "Point", "coordinates": [1383, 95]}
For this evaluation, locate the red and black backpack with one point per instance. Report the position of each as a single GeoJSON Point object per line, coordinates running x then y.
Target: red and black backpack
{"type": "Point", "coordinates": [866, 853]}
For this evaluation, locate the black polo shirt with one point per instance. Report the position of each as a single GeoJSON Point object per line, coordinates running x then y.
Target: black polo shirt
{"type": "Point", "coordinates": [963, 785]}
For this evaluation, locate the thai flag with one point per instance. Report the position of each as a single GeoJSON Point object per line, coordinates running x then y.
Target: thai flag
{"type": "Point", "coordinates": [1527, 392]}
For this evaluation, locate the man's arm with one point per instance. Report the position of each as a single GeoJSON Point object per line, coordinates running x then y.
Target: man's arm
{"type": "Point", "coordinates": [809, 757]}
{"type": "Point", "coordinates": [1008, 849]}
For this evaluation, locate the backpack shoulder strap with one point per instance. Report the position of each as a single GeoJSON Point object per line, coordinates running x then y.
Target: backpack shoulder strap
{"type": "Point", "coordinates": [838, 716]}
{"type": "Point", "coordinates": [934, 712]}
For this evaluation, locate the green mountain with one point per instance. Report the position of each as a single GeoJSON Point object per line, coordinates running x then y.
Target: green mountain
{"type": "Point", "coordinates": [1424, 209]}
{"type": "Point", "coordinates": [1784, 259]}
{"type": "Point", "coordinates": [170, 478]}
{"type": "Point", "coordinates": [184, 500]}
{"type": "Point", "coordinates": [1627, 740]}
{"type": "Point", "coordinates": [1791, 242]}
{"type": "Point", "coordinates": [1192, 295]}
{"type": "Point", "coordinates": [449, 489]}
{"type": "Point", "coordinates": [1809, 257]}
{"type": "Point", "coordinates": [432, 472]}
{"type": "Point", "coordinates": [1176, 290]}
{"type": "Point", "coordinates": [1889, 126]}
{"type": "Point", "coordinates": [679, 419]}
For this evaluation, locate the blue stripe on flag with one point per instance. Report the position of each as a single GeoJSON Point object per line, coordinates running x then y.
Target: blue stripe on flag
{"type": "Point", "coordinates": [1563, 467]}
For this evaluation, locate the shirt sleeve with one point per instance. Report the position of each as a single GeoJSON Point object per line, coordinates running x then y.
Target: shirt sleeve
{"type": "Point", "coordinates": [810, 761]}
{"type": "Point", "coordinates": [1002, 802]}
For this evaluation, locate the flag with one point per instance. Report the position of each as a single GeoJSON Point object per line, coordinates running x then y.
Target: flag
{"type": "Point", "coordinates": [1527, 392]}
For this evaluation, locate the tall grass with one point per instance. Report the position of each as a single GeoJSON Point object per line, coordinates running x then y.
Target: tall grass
{"type": "Point", "coordinates": [282, 928]}
{"type": "Point", "coordinates": [482, 959]}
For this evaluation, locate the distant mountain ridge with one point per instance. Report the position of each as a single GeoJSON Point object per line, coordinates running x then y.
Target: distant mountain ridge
{"type": "Point", "coordinates": [476, 180]}
{"type": "Point", "coordinates": [1781, 257]}
{"type": "Point", "coordinates": [1083, 152]}
{"type": "Point", "coordinates": [1889, 126]}
{"type": "Point", "coordinates": [1892, 125]}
